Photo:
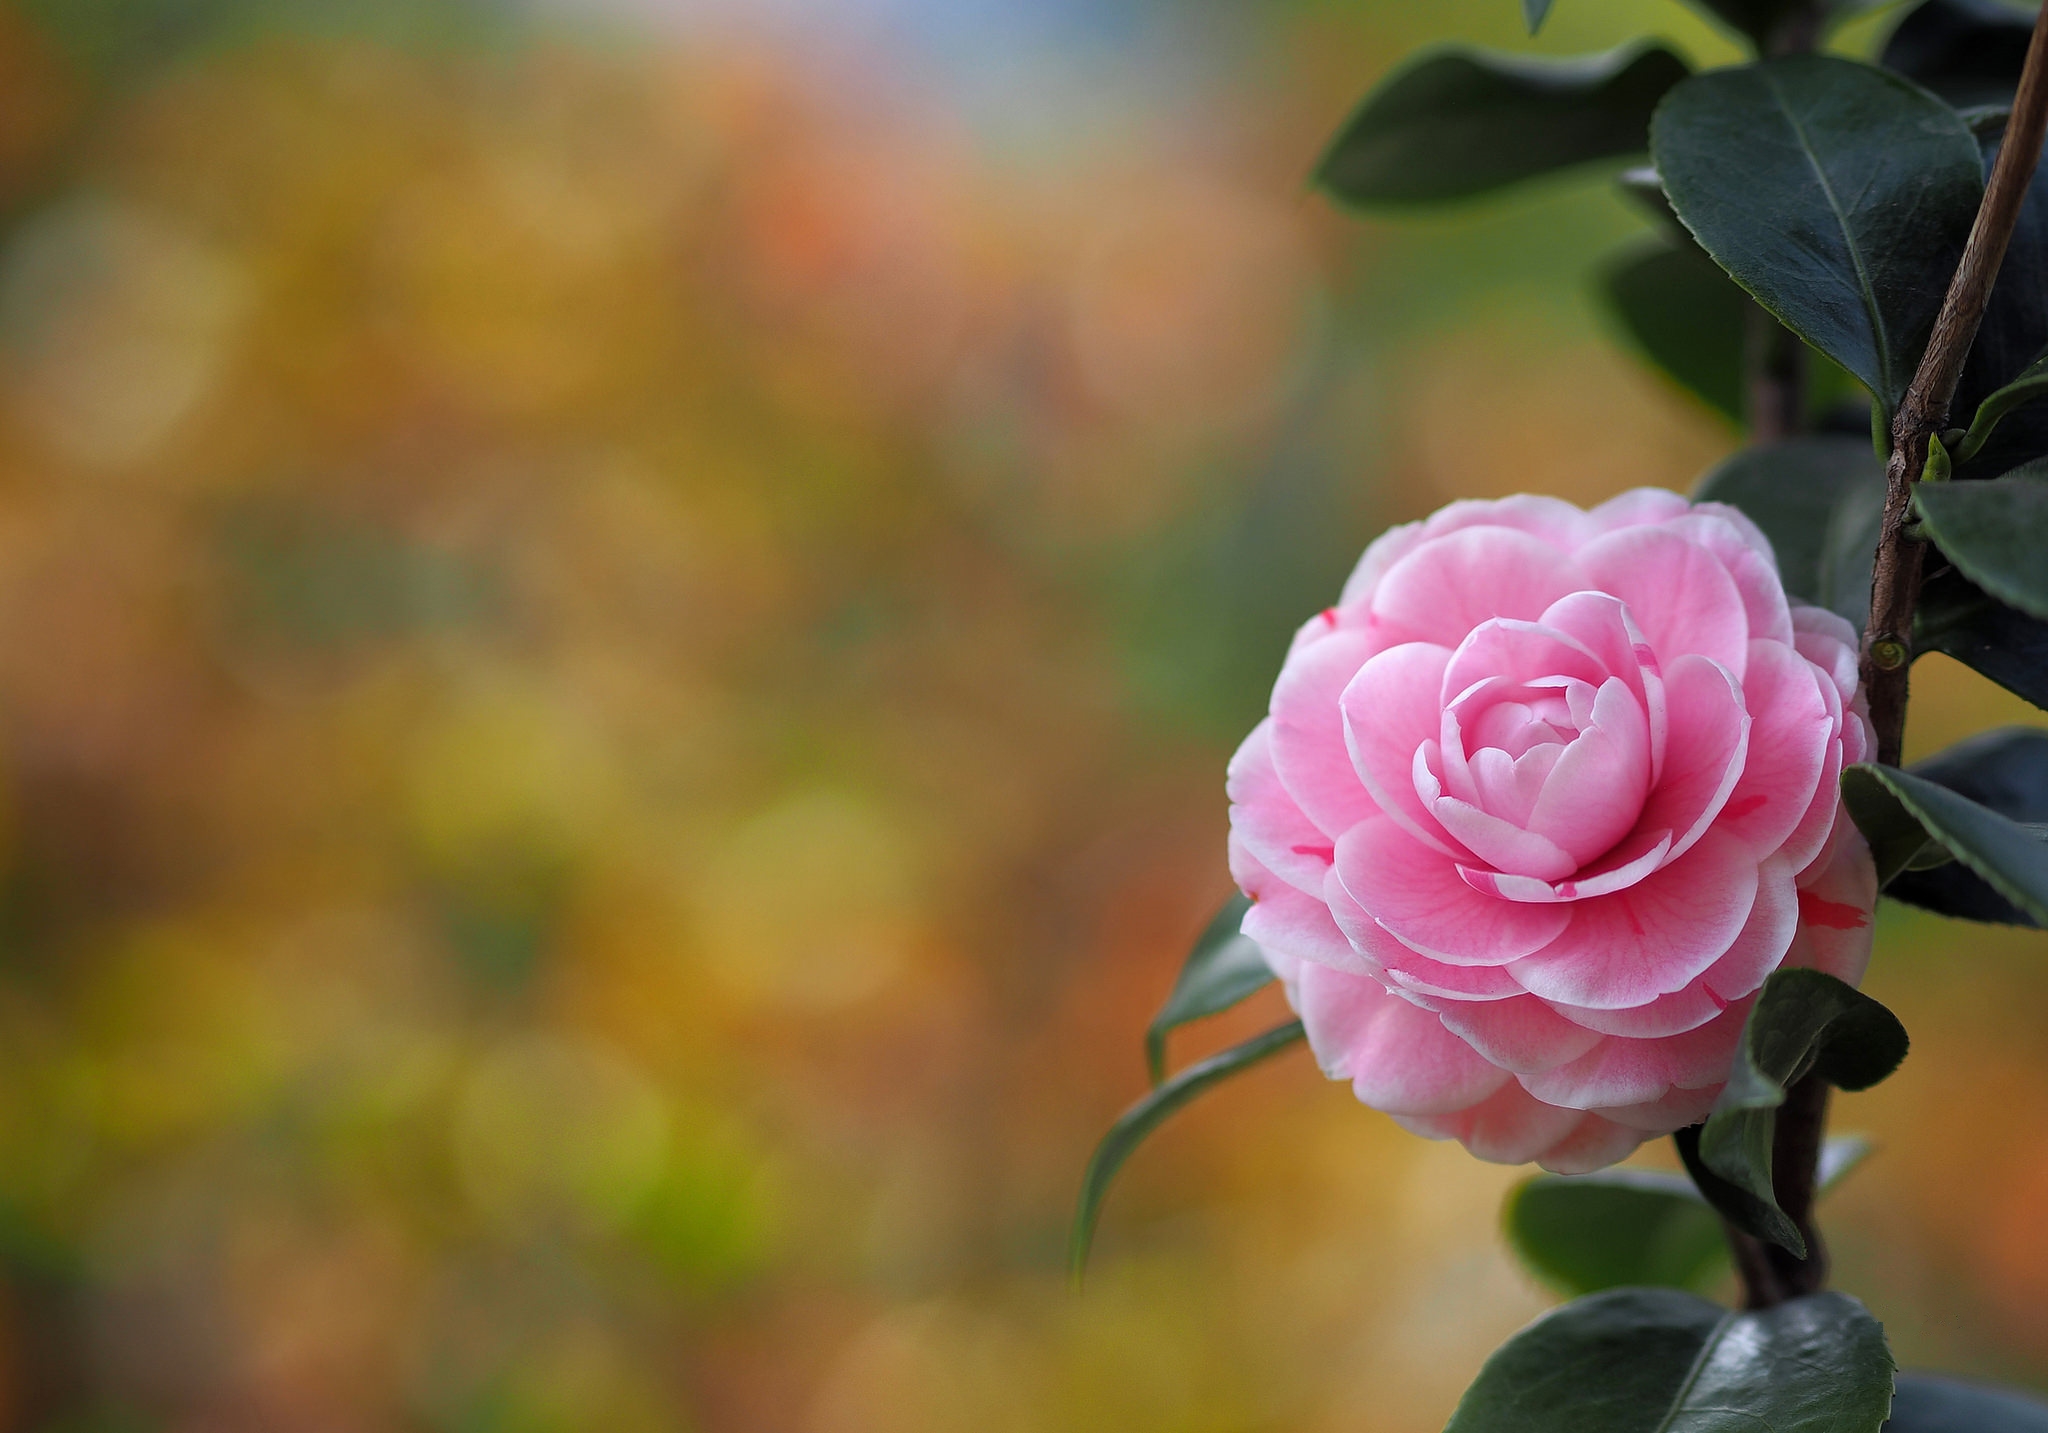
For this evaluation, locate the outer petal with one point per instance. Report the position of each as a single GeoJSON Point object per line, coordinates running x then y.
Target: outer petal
{"type": "Point", "coordinates": [1509, 1127]}
{"type": "Point", "coordinates": [1398, 1057]}
{"type": "Point", "coordinates": [1417, 895]}
{"type": "Point", "coordinates": [1836, 896]}
{"type": "Point", "coordinates": [1264, 817]}
{"type": "Point", "coordinates": [1446, 587]}
{"type": "Point", "coordinates": [1522, 1035]}
{"type": "Point", "coordinates": [1791, 729]}
{"type": "Point", "coordinates": [1754, 567]}
{"type": "Point", "coordinates": [1554, 520]}
{"type": "Point", "coordinates": [1757, 950]}
{"type": "Point", "coordinates": [1387, 711]}
{"type": "Point", "coordinates": [1652, 939]}
{"type": "Point", "coordinates": [1638, 507]}
{"type": "Point", "coordinates": [1677, 591]}
{"type": "Point", "coordinates": [1594, 1143]}
{"type": "Point", "coordinates": [1620, 1073]}
{"type": "Point", "coordinates": [1307, 731]}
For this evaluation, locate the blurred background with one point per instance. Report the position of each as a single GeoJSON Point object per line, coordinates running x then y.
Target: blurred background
{"type": "Point", "coordinates": [619, 625]}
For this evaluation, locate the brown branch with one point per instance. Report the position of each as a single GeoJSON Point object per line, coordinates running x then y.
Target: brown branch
{"type": "Point", "coordinates": [1895, 576]}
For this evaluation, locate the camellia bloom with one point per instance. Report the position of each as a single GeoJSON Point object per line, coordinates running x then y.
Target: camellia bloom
{"type": "Point", "coordinates": [1540, 804]}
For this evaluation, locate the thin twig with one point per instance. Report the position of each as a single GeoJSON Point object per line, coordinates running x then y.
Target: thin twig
{"type": "Point", "coordinates": [1895, 576]}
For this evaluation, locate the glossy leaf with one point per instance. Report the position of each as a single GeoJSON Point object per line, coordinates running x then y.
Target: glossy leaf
{"type": "Point", "coordinates": [1996, 532]}
{"type": "Point", "coordinates": [1586, 1232]}
{"type": "Point", "coordinates": [1848, 208]}
{"type": "Point", "coordinates": [1804, 1022]}
{"type": "Point", "coordinates": [1927, 1403]}
{"type": "Point", "coordinates": [2006, 770]}
{"type": "Point", "coordinates": [1896, 838]}
{"type": "Point", "coordinates": [1664, 1361]}
{"type": "Point", "coordinates": [1681, 311]}
{"type": "Point", "coordinates": [2032, 384]}
{"type": "Point", "coordinates": [1793, 490]}
{"type": "Point", "coordinates": [1970, 52]}
{"type": "Point", "coordinates": [2011, 858]}
{"type": "Point", "coordinates": [1534, 13]}
{"type": "Point", "coordinates": [1224, 967]}
{"type": "Point", "coordinates": [1960, 620]}
{"type": "Point", "coordinates": [2014, 333]}
{"type": "Point", "coordinates": [1460, 122]}
{"type": "Point", "coordinates": [1135, 1123]}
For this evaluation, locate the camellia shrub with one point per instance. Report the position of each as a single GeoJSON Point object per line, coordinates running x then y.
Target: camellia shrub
{"type": "Point", "coordinates": [1566, 828]}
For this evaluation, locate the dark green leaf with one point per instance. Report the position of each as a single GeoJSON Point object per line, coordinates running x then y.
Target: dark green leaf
{"type": "Point", "coordinates": [1534, 13]}
{"type": "Point", "coordinates": [1804, 1022]}
{"type": "Point", "coordinates": [2009, 647]}
{"type": "Point", "coordinates": [2013, 334]}
{"type": "Point", "coordinates": [1224, 967]}
{"type": "Point", "coordinates": [1586, 1232]}
{"type": "Point", "coordinates": [1793, 491]}
{"type": "Point", "coordinates": [1927, 1403]}
{"type": "Point", "coordinates": [2032, 383]}
{"type": "Point", "coordinates": [1686, 317]}
{"type": "Point", "coordinates": [1970, 52]}
{"type": "Point", "coordinates": [1846, 211]}
{"type": "Point", "coordinates": [2006, 770]}
{"type": "Point", "coordinates": [1455, 123]}
{"type": "Point", "coordinates": [1663, 1361]}
{"type": "Point", "coordinates": [2010, 857]}
{"type": "Point", "coordinates": [1996, 532]}
{"type": "Point", "coordinates": [1896, 838]}
{"type": "Point", "coordinates": [1148, 1114]}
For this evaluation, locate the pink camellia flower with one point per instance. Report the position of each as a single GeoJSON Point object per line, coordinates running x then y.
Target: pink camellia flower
{"type": "Point", "coordinates": [1540, 804]}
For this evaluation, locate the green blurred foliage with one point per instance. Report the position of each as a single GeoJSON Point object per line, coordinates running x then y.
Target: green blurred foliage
{"type": "Point", "coordinates": [616, 653]}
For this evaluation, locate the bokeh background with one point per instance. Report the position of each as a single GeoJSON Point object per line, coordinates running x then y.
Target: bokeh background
{"type": "Point", "coordinates": [619, 626]}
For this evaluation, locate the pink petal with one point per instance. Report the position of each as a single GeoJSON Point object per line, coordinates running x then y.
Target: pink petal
{"type": "Point", "coordinates": [1754, 569]}
{"type": "Point", "coordinates": [1643, 853]}
{"type": "Point", "coordinates": [1523, 652]}
{"type": "Point", "coordinates": [1675, 1111]}
{"type": "Point", "coordinates": [1406, 969]}
{"type": "Point", "coordinates": [1652, 939]}
{"type": "Point", "coordinates": [1521, 1034]}
{"type": "Point", "coordinates": [1756, 951]}
{"type": "Point", "coordinates": [1307, 737]}
{"type": "Point", "coordinates": [1595, 793]}
{"type": "Point", "coordinates": [1618, 1073]}
{"type": "Point", "coordinates": [1265, 818]}
{"type": "Point", "coordinates": [1637, 508]}
{"type": "Point", "coordinates": [1301, 928]}
{"type": "Point", "coordinates": [1446, 587]}
{"type": "Point", "coordinates": [1830, 643]}
{"type": "Point", "coordinates": [1707, 745]}
{"type": "Point", "coordinates": [1601, 623]}
{"type": "Point", "coordinates": [1508, 1127]}
{"type": "Point", "coordinates": [1418, 895]}
{"type": "Point", "coordinates": [1501, 844]}
{"type": "Point", "coordinates": [1398, 1057]}
{"type": "Point", "coordinates": [1790, 732]}
{"type": "Point", "coordinates": [1386, 711]}
{"type": "Point", "coordinates": [1554, 520]}
{"type": "Point", "coordinates": [1677, 591]}
{"type": "Point", "coordinates": [1837, 894]}
{"type": "Point", "coordinates": [1594, 1143]}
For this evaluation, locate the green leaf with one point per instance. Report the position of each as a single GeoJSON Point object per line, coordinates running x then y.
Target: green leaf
{"type": "Point", "coordinates": [1459, 122]}
{"type": "Point", "coordinates": [1224, 967]}
{"type": "Point", "coordinates": [1804, 1022]}
{"type": "Point", "coordinates": [1677, 306]}
{"type": "Point", "coordinates": [2010, 857]}
{"type": "Point", "coordinates": [1924, 1403]}
{"type": "Point", "coordinates": [1793, 491]}
{"type": "Point", "coordinates": [1585, 1232]}
{"type": "Point", "coordinates": [1148, 1114]}
{"type": "Point", "coordinates": [1663, 1361]}
{"type": "Point", "coordinates": [1957, 618]}
{"type": "Point", "coordinates": [1853, 196]}
{"type": "Point", "coordinates": [2006, 770]}
{"type": "Point", "coordinates": [1534, 13]}
{"type": "Point", "coordinates": [1970, 52]}
{"type": "Point", "coordinates": [2032, 383]}
{"type": "Point", "coordinates": [1995, 532]}
{"type": "Point", "coordinates": [1896, 838]}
